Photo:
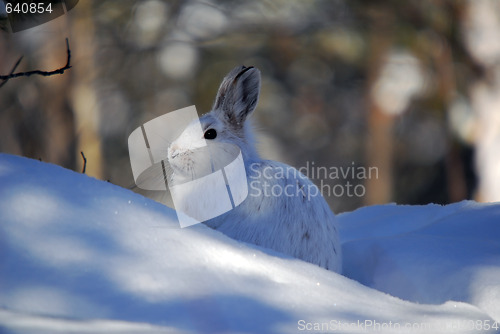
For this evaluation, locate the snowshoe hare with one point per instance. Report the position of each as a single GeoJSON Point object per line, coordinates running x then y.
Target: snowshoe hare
{"type": "Point", "coordinates": [283, 211]}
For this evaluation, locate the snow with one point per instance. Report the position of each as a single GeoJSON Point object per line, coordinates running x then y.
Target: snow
{"type": "Point", "coordinates": [81, 255]}
{"type": "Point", "coordinates": [431, 255]}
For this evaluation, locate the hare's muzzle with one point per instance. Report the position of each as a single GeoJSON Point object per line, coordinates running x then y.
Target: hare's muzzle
{"type": "Point", "coordinates": [173, 151]}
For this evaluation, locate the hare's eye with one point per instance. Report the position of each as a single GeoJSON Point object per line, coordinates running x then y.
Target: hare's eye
{"type": "Point", "coordinates": [210, 134]}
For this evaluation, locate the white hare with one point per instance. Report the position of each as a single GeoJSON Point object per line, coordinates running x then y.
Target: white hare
{"type": "Point", "coordinates": [283, 211]}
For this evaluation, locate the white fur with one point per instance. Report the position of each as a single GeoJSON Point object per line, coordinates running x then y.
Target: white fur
{"type": "Point", "coordinates": [298, 222]}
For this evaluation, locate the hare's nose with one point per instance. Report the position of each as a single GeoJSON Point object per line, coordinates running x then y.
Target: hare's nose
{"type": "Point", "coordinates": [173, 150]}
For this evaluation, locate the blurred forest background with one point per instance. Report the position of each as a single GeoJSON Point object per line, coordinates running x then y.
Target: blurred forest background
{"type": "Point", "coordinates": [410, 87]}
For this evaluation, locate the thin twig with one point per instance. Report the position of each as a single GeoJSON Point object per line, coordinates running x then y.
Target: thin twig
{"type": "Point", "coordinates": [38, 72]}
{"type": "Point", "coordinates": [17, 64]}
{"type": "Point", "coordinates": [13, 69]}
{"type": "Point", "coordinates": [84, 162]}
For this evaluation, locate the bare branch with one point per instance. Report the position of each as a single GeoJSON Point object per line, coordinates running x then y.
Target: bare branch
{"type": "Point", "coordinates": [61, 70]}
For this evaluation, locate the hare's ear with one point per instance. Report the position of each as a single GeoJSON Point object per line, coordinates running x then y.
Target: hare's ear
{"type": "Point", "coordinates": [238, 95]}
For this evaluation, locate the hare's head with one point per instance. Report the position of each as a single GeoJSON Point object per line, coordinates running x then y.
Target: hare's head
{"type": "Point", "coordinates": [226, 124]}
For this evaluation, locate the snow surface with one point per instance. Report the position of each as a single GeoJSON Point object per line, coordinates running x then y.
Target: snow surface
{"type": "Point", "coordinates": [79, 255]}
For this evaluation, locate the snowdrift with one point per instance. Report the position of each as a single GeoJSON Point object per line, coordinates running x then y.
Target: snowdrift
{"type": "Point", "coordinates": [81, 255]}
